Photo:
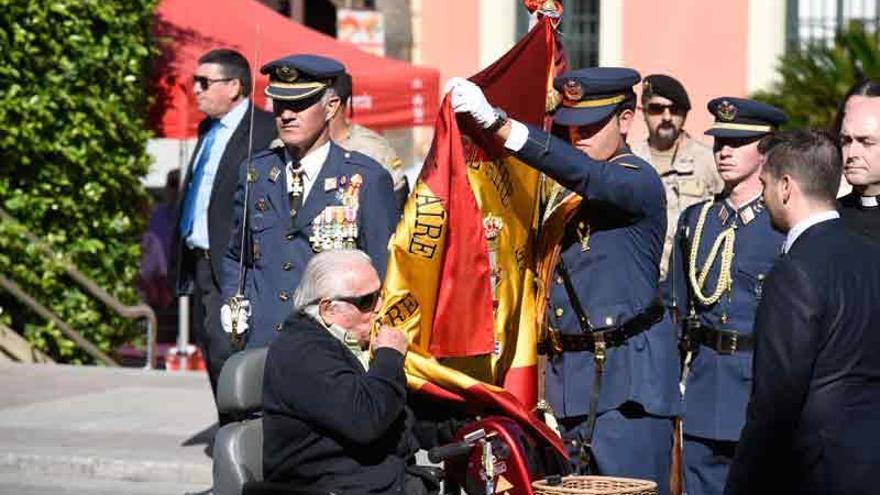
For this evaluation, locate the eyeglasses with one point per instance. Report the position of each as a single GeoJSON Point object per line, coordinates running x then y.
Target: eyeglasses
{"type": "Point", "coordinates": [204, 82]}
{"type": "Point", "coordinates": [364, 303]}
{"type": "Point", "coordinates": [659, 108]}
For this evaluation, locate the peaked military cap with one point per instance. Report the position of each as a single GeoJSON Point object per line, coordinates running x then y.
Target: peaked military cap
{"type": "Point", "coordinates": [740, 118]}
{"type": "Point", "coordinates": [296, 77]}
{"type": "Point", "coordinates": [667, 87]}
{"type": "Point", "coordinates": [591, 95]}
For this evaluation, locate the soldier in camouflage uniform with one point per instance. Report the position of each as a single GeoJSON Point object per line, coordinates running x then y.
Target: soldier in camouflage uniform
{"type": "Point", "coordinates": [355, 137]}
{"type": "Point", "coordinates": [686, 166]}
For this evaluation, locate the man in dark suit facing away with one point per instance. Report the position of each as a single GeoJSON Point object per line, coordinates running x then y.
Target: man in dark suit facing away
{"type": "Point", "coordinates": [222, 85]}
{"type": "Point", "coordinates": [812, 423]}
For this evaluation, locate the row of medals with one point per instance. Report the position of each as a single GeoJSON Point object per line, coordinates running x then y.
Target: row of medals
{"type": "Point", "coordinates": [336, 227]}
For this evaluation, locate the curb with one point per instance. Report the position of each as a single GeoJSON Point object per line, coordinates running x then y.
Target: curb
{"type": "Point", "coordinates": [92, 467]}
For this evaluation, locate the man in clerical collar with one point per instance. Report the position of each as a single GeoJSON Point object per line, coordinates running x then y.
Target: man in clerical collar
{"type": "Point", "coordinates": [723, 252]}
{"type": "Point", "coordinates": [860, 145]}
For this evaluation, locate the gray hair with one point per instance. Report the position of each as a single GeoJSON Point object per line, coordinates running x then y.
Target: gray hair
{"type": "Point", "coordinates": [326, 276]}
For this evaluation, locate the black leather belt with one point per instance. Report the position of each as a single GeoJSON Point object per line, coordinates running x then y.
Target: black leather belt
{"type": "Point", "coordinates": [722, 341]}
{"type": "Point", "coordinates": [613, 336]}
{"type": "Point", "coordinates": [200, 253]}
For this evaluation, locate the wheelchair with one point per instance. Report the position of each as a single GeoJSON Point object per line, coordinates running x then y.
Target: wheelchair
{"type": "Point", "coordinates": [490, 455]}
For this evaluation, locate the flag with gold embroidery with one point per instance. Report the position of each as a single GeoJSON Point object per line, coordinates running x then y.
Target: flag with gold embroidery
{"type": "Point", "coordinates": [462, 261]}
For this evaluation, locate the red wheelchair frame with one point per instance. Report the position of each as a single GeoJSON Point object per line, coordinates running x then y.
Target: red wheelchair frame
{"type": "Point", "coordinates": [495, 455]}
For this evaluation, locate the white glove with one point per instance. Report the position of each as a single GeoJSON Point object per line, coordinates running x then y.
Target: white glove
{"type": "Point", "coordinates": [243, 313]}
{"type": "Point", "coordinates": [468, 98]}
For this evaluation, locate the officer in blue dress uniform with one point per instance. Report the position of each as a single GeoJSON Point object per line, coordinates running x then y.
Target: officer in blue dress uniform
{"type": "Point", "coordinates": [723, 251]}
{"type": "Point", "coordinates": [612, 374]}
{"type": "Point", "coordinates": [304, 197]}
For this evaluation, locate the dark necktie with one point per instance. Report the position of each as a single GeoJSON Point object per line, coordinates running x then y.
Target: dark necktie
{"type": "Point", "coordinates": [297, 189]}
{"type": "Point", "coordinates": [188, 216]}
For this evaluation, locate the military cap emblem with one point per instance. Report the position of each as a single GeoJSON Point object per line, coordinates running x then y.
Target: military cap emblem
{"type": "Point", "coordinates": [551, 9]}
{"type": "Point", "coordinates": [646, 87]}
{"type": "Point", "coordinates": [286, 73]}
{"type": "Point", "coordinates": [573, 90]}
{"type": "Point", "coordinates": [553, 100]}
{"type": "Point", "coordinates": [726, 111]}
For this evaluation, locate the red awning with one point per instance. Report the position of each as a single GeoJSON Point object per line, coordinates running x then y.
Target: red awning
{"type": "Point", "coordinates": [387, 93]}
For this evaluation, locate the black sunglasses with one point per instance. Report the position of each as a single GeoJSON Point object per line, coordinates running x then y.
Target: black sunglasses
{"type": "Point", "coordinates": [364, 303]}
{"type": "Point", "coordinates": [296, 106]}
{"type": "Point", "coordinates": [659, 108]}
{"type": "Point", "coordinates": [204, 82]}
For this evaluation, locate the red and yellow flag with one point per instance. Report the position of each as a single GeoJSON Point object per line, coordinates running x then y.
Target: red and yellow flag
{"type": "Point", "coordinates": [460, 277]}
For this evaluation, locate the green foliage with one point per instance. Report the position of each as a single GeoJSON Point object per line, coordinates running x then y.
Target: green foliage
{"type": "Point", "coordinates": [815, 79]}
{"type": "Point", "coordinates": [72, 148]}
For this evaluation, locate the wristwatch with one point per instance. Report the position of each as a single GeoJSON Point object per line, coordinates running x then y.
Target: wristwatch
{"type": "Point", "coordinates": [500, 120]}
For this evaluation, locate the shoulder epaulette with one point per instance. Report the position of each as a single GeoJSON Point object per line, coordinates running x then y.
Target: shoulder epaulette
{"type": "Point", "coordinates": [617, 160]}
{"type": "Point", "coordinates": [360, 159]}
{"type": "Point", "coordinates": [271, 150]}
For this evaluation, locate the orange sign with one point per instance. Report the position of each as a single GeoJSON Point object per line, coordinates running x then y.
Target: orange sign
{"type": "Point", "coordinates": [362, 28]}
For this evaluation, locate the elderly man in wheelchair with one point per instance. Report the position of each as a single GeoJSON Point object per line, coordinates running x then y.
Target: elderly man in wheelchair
{"type": "Point", "coordinates": [320, 416]}
{"type": "Point", "coordinates": [333, 420]}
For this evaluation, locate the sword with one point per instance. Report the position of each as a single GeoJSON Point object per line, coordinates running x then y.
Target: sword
{"type": "Point", "coordinates": [235, 302]}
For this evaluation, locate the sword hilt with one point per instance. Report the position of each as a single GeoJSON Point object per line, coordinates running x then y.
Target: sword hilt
{"type": "Point", "coordinates": [235, 307]}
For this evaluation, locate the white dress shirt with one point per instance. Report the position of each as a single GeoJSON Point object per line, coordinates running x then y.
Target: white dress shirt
{"type": "Point", "coordinates": [311, 167]}
{"type": "Point", "coordinates": [805, 224]}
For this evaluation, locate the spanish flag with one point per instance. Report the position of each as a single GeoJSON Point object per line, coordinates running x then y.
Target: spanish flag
{"type": "Point", "coordinates": [461, 271]}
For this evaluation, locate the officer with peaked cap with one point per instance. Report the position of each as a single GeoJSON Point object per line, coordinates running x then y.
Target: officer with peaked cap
{"type": "Point", "coordinates": [612, 373]}
{"type": "Point", "coordinates": [304, 197]}
{"type": "Point", "coordinates": [724, 249]}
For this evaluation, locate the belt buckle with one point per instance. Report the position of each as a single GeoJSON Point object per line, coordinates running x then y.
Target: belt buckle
{"type": "Point", "coordinates": [554, 342]}
{"type": "Point", "coordinates": [200, 253]}
{"type": "Point", "coordinates": [599, 346]}
{"type": "Point", "coordinates": [719, 342]}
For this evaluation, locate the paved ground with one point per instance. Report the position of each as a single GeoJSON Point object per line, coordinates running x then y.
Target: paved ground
{"type": "Point", "coordinates": [67, 429]}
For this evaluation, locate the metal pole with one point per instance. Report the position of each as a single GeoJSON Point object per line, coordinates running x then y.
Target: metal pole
{"type": "Point", "coordinates": [182, 301]}
{"type": "Point", "coordinates": [183, 332]}
{"type": "Point", "coordinates": [151, 345]}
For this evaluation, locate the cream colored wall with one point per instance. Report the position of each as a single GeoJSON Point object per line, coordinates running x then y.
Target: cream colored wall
{"type": "Point", "coordinates": [766, 42]}
{"type": "Point", "coordinates": [611, 28]}
{"type": "Point", "coordinates": [497, 27]}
